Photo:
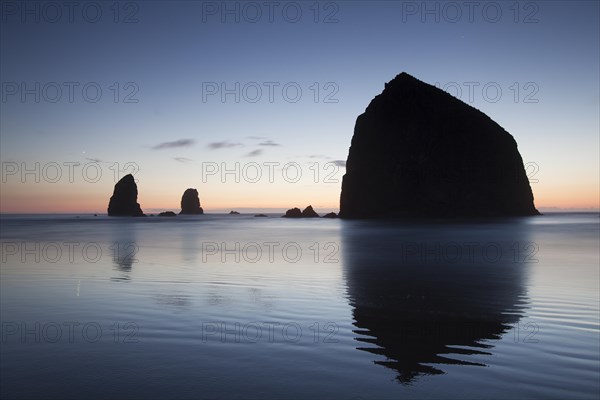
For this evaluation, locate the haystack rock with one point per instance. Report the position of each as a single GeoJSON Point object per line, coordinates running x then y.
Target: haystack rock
{"type": "Point", "coordinates": [123, 202]}
{"type": "Point", "coordinates": [190, 202]}
{"type": "Point", "coordinates": [417, 151]}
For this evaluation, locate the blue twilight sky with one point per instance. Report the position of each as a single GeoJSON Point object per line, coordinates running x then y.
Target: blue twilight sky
{"type": "Point", "coordinates": [162, 66]}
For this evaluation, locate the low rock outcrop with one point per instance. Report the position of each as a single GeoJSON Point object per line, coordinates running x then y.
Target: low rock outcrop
{"type": "Point", "coordinates": [295, 212]}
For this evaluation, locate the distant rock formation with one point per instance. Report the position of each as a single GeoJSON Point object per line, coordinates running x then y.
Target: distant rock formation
{"type": "Point", "coordinates": [233, 212]}
{"type": "Point", "coordinates": [190, 202]}
{"type": "Point", "coordinates": [167, 214]}
{"type": "Point", "coordinates": [123, 202]}
{"type": "Point", "coordinates": [261, 215]}
{"type": "Point", "coordinates": [295, 212]}
{"type": "Point", "coordinates": [330, 215]}
{"type": "Point", "coordinates": [419, 152]}
{"type": "Point", "coordinates": [308, 212]}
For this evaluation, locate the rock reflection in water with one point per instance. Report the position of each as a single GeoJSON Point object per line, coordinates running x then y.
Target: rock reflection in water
{"type": "Point", "coordinates": [124, 252]}
{"type": "Point", "coordinates": [426, 295]}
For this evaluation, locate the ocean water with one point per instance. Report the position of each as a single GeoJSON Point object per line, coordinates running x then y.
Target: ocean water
{"type": "Point", "coordinates": [220, 306]}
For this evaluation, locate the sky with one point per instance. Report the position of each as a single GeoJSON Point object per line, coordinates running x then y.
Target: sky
{"type": "Point", "coordinates": [254, 103]}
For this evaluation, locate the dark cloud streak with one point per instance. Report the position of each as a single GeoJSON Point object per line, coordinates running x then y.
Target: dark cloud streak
{"type": "Point", "coordinates": [174, 144]}
{"type": "Point", "coordinates": [268, 143]}
{"type": "Point", "coordinates": [254, 153]}
{"type": "Point", "coordinates": [222, 145]}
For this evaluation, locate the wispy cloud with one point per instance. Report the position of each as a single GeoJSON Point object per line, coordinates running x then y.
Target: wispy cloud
{"type": "Point", "coordinates": [340, 163]}
{"type": "Point", "coordinates": [173, 144]}
{"type": "Point", "coordinates": [96, 160]}
{"type": "Point", "coordinates": [321, 156]}
{"type": "Point", "coordinates": [222, 145]}
{"type": "Point", "coordinates": [254, 153]}
{"type": "Point", "coordinates": [268, 143]}
{"type": "Point", "coordinates": [182, 159]}
{"type": "Point", "coordinates": [256, 137]}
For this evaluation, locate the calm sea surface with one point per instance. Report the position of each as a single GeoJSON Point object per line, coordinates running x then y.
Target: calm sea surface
{"type": "Point", "coordinates": [220, 306]}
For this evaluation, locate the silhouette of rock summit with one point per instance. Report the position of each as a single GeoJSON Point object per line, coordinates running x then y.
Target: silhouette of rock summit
{"type": "Point", "coordinates": [417, 151]}
{"type": "Point", "coordinates": [308, 212]}
{"type": "Point", "coordinates": [293, 213]}
{"type": "Point", "coordinates": [190, 202]}
{"type": "Point", "coordinates": [123, 202]}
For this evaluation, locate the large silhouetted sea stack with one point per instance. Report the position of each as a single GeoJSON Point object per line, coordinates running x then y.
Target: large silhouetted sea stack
{"type": "Point", "coordinates": [123, 202]}
{"type": "Point", "coordinates": [190, 202]}
{"type": "Point", "coordinates": [417, 151]}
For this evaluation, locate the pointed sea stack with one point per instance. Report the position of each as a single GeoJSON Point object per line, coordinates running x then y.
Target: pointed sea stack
{"type": "Point", "coordinates": [190, 202]}
{"type": "Point", "coordinates": [308, 212]}
{"type": "Point", "coordinates": [417, 151]}
{"type": "Point", "coordinates": [123, 202]}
